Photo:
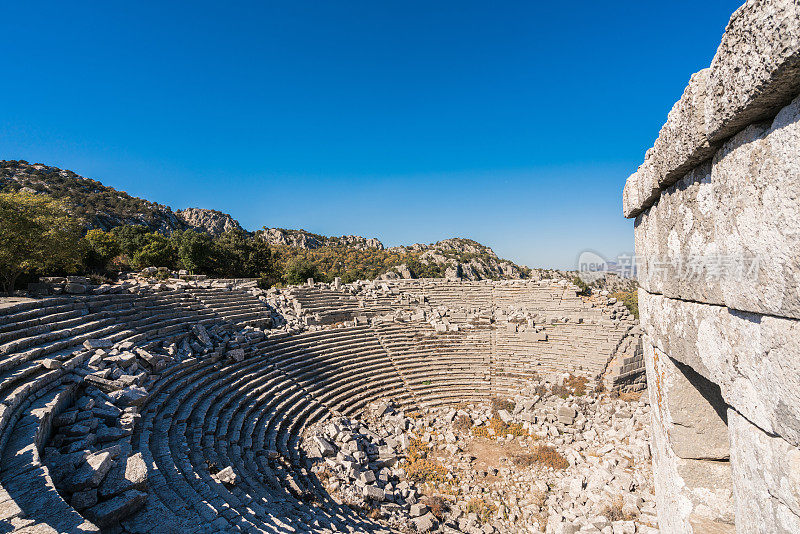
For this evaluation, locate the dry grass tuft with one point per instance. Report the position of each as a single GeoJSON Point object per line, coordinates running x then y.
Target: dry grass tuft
{"type": "Point", "coordinates": [462, 423]}
{"type": "Point", "coordinates": [573, 385]}
{"type": "Point", "coordinates": [545, 455]}
{"type": "Point", "coordinates": [422, 469]}
{"type": "Point", "coordinates": [613, 512]}
{"type": "Point", "coordinates": [437, 505]}
{"type": "Point", "coordinates": [502, 404]}
{"type": "Point", "coordinates": [483, 509]}
{"type": "Point", "coordinates": [426, 470]}
{"type": "Point", "coordinates": [500, 428]}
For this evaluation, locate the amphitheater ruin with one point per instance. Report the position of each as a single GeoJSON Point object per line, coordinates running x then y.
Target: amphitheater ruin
{"type": "Point", "coordinates": [180, 406]}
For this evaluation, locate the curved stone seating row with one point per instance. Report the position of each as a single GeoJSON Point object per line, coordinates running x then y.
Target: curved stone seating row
{"type": "Point", "coordinates": [206, 415]}
{"type": "Point", "coordinates": [571, 347]}
{"type": "Point", "coordinates": [538, 296]}
{"type": "Point", "coordinates": [343, 368]}
{"type": "Point", "coordinates": [319, 300]}
{"type": "Point", "coordinates": [235, 305]}
{"type": "Point", "coordinates": [439, 368]}
{"type": "Point", "coordinates": [41, 343]}
{"type": "Point", "coordinates": [29, 501]}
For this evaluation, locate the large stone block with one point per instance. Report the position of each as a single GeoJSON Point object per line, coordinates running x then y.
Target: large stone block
{"type": "Point", "coordinates": [766, 475]}
{"type": "Point", "coordinates": [754, 73]}
{"type": "Point", "coordinates": [756, 69]}
{"type": "Point", "coordinates": [753, 358]}
{"type": "Point", "coordinates": [691, 495]}
{"type": "Point", "coordinates": [682, 143]}
{"type": "Point", "coordinates": [722, 233]}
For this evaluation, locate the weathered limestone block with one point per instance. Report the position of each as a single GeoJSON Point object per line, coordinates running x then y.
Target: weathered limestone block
{"type": "Point", "coordinates": [717, 211]}
{"type": "Point", "coordinates": [90, 474]}
{"type": "Point", "coordinates": [755, 72]}
{"type": "Point", "coordinates": [756, 68]}
{"type": "Point", "coordinates": [753, 358]}
{"type": "Point", "coordinates": [766, 473]}
{"type": "Point", "coordinates": [691, 495]}
{"type": "Point", "coordinates": [698, 415]}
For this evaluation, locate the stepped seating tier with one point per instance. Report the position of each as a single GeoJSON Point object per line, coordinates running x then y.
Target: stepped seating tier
{"type": "Point", "coordinates": [209, 413]}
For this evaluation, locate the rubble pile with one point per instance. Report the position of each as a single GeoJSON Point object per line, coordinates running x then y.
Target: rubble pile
{"type": "Point", "coordinates": [556, 458]}
{"type": "Point", "coordinates": [89, 455]}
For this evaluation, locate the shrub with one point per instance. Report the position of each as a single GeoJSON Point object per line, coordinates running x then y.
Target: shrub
{"type": "Point", "coordinates": [462, 423]}
{"type": "Point", "coordinates": [437, 505]}
{"type": "Point", "coordinates": [630, 299]}
{"type": "Point", "coordinates": [481, 508]}
{"type": "Point", "coordinates": [584, 288]}
{"type": "Point", "coordinates": [614, 512]}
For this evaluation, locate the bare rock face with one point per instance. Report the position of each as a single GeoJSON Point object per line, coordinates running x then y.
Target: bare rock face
{"type": "Point", "coordinates": [355, 241]}
{"type": "Point", "coordinates": [213, 222]}
{"type": "Point", "coordinates": [309, 241]}
{"type": "Point", "coordinates": [291, 238]}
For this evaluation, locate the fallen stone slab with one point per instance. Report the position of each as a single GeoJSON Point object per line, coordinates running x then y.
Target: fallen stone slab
{"type": "Point", "coordinates": [226, 476]}
{"type": "Point", "coordinates": [325, 447]}
{"type": "Point", "coordinates": [112, 511]}
{"type": "Point", "coordinates": [92, 344]}
{"type": "Point", "coordinates": [131, 396]}
{"type": "Point", "coordinates": [374, 492]}
{"type": "Point", "coordinates": [425, 523]}
{"type": "Point", "coordinates": [124, 477]}
{"type": "Point", "coordinates": [202, 334]}
{"type": "Point", "coordinates": [103, 384]}
{"type": "Point", "coordinates": [236, 355]}
{"type": "Point", "coordinates": [112, 433]}
{"type": "Point", "coordinates": [91, 473]}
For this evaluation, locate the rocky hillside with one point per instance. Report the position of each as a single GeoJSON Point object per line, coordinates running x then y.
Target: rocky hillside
{"type": "Point", "coordinates": [103, 207]}
{"type": "Point", "coordinates": [99, 206]}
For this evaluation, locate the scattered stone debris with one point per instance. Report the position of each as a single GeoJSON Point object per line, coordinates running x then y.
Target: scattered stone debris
{"type": "Point", "coordinates": [537, 462]}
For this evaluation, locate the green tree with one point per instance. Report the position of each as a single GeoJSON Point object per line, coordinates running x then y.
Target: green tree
{"type": "Point", "coordinates": [244, 256]}
{"type": "Point", "coordinates": [99, 248]}
{"type": "Point", "coordinates": [156, 251]}
{"type": "Point", "coordinates": [130, 238]}
{"type": "Point", "coordinates": [299, 269]}
{"type": "Point", "coordinates": [197, 251]}
{"type": "Point", "coordinates": [36, 234]}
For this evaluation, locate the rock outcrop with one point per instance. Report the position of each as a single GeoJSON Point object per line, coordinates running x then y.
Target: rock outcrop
{"type": "Point", "coordinates": [212, 222]}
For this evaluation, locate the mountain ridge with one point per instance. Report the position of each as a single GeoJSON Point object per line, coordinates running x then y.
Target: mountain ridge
{"type": "Point", "coordinates": [103, 207]}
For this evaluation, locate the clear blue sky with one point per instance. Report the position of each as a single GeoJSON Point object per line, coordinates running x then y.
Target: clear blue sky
{"type": "Point", "coordinates": [512, 123]}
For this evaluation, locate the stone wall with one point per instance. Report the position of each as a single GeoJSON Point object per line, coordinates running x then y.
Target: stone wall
{"type": "Point", "coordinates": [717, 228]}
